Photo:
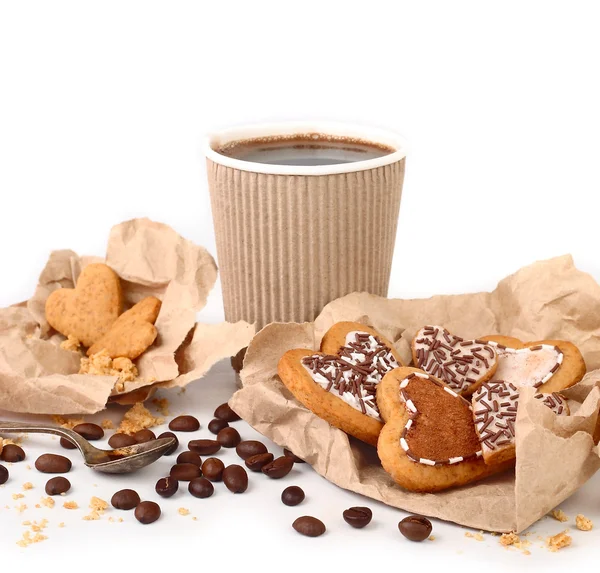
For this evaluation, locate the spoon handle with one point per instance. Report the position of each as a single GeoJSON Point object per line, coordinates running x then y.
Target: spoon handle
{"type": "Point", "coordinates": [20, 427]}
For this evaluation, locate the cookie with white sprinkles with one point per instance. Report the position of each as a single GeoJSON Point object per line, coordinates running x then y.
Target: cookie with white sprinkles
{"type": "Point", "coordinates": [339, 383]}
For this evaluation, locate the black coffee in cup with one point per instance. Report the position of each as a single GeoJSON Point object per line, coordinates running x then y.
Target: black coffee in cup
{"type": "Point", "coordinates": [304, 149]}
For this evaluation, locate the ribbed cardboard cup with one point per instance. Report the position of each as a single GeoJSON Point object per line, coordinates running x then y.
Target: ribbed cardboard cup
{"type": "Point", "coordinates": [292, 238]}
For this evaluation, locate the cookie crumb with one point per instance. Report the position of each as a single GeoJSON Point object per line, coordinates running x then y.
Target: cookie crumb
{"type": "Point", "coordinates": [101, 364]}
{"type": "Point", "coordinates": [27, 485]}
{"type": "Point", "coordinates": [16, 496]}
{"type": "Point", "coordinates": [162, 406]}
{"type": "Point", "coordinates": [183, 511]}
{"type": "Point", "coordinates": [138, 418]}
{"type": "Point", "coordinates": [27, 539]}
{"type": "Point", "coordinates": [21, 508]}
{"type": "Point", "coordinates": [98, 507]}
{"type": "Point", "coordinates": [71, 343]}
{"type": "Point", "coordinates": [583, 523]}
{"type": "Point", "coordinates": [558, 541]}
{"type": "Point", "coordinates": [47, 502]}
{"type": "Point", "coordinates": [68, 423]}
{"type": "Point", "coordinates": [61, 524]}
{"type": "Point", "coordinates": [475, 536]}
{"type": "Point", "coordinates": [194, 518]}
{"type": "Point", "coordinates": [511, 538]}
{"type": "Point", "coordinates": [559, 515]}
{"type": "Point", "coordinates": [107, 424]}
{"type": "Point", "coordinates": [70, 505]}
{"type": "Point", "coordinates": [432, 538]}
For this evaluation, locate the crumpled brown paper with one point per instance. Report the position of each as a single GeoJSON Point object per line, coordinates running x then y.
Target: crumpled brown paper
{"type": "Point", "coordinates": [38, 377]}
{"type": "Point", "coordinates": [555, 455]}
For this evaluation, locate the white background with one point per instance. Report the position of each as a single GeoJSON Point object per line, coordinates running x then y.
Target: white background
{"type": "Point", "coordinates": [102, 111]}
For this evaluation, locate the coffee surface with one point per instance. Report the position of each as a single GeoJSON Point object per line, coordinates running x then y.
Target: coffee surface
{"type": "Point", "coordinates": [304, 149]}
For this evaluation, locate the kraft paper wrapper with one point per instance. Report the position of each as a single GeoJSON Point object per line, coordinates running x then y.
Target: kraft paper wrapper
{"type": "Point", "coordinates": [556, 455]}
{"type": "Point", "coordinates": [275, 233]}
{"type": "Point", "coordinates": [38, 377]}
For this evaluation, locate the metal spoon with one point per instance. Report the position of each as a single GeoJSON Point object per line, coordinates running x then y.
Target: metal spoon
{"type": "Point", "coordinates": [119, 461]}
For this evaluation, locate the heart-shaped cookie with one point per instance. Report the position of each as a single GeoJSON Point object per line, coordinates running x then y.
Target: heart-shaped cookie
{"type": "Point", "coordinates": [340, 386]}
{"type": "Point", "coordinates": [495, 407]}
{"type": "Point", "coordinates": [89, 310]}
{"type": "Point", "coordinates": [547, 365]}
{"type": "Point", "coordinates": [428, 442]}
{"type": "Point", "coordinates": [462, 364]}
{"type": "Point", "coordinates": [132, 333]}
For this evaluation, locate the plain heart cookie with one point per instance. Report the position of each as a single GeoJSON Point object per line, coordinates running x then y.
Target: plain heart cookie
{"type": "Point", "coordinates": [339, 384]}
{"type": "Point", "coordinates": [89, 310]}
{"type": "Point", "coordinates": [462, 364]}
{"type": "Point", "coordinates": [132, 333]}
{"type": "Point", "coordinates": [547, 365]}
{"type": "Point", "coordinates": [428, 442]}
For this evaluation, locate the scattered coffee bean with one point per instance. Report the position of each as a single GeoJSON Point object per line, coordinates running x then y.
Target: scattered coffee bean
{"type": "Point", "coordinates": [147, 512]}
{"type": "Point", "coordinates": [125, 499]}
{"type": "Point", "coordinates": [12, 453]}
{"type": "Point", "coordinates": [119, 440]}
{"type": "Point", "coordinates": [185, 471]}
{"type": "Point", "coordinates": [292, 455]}
{"type": "Point", "coordinates": [309, 526]}
{"type": "Point", "coordinates": [189, 458]}
{"type": "Point", "coordinates": [53, 464]}
{"type": "Point", "coordinates": [216, 425]}
{"type": "Point", "coordinates": [358, 517]}
{"type": "Point", "coordinates": [224, 412]}
{"type": "Point", "coordinates": [415, 527]}
{"type": "Point", "coordinates": [67, 444]}
{"type": "Point", "coordinates": [201, 487]}
{"type": "Point", "coordinates": [204, 447]}
{"type": "Point", "coordinates": [212, 469]}
{"type": "Point", "coordinates": [292, 495]}
{"type": "Point", "coordinates": [174, 447]}
{"type": "Point", "coordinates": [143, 436]}
{"type": "Point", "coordinates": [229, 437]}
{"type": "Point", "coordinates": [89, 431]}
{"type": "Point", "coordinates": [184, 424]}
{"type": "Point", "coordinates": [259, 461]}
{"type": "Point", "coordinates": [249, 448]}
{"type": "Point", "coordinates": [278, 468]}
{"type": "Point", "coordinates": [57, 485]}
{"type": "Point", "coordinates": [3, 475]}
{"type": "Point", "coordinates": [167, 487]}
{"type": "Point", "coordinates": [235, 478]}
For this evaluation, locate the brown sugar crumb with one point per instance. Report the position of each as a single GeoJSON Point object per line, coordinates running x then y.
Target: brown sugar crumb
{"type": "Point", "coordinates": [583, 523]}
{"type": "Point", "coordinates": [559, 515]}
{"type": "Point", "coordinates": [69, 423]}
{"type": "Point", "coordinates": [47, 502]}
{"type": "Point", "coordinates": [107, 424]}
{"type": "Point", "coordinates": [27, 485]}
{"type": "Point", "coordinates": [558, 541]}
{"type": "Point", "coordinates": [162, 406]}
{"type": "Point", "coordinates": [138, 418]}
{"type": "Point", "coordinates": [183, 511]}
{"type": "Point", "coordinates": [98, 507]}
{"type": "Point", "coordinates": [71, 343]}
{"type": "Point", "coordinates": [70, 505]}
{"type": "Point", "coordinates": [16, 496]}
{"type": "Point", "coordinates": [28, 539]}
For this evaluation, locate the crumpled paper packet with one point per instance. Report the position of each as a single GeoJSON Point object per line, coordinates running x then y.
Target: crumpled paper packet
{"type": "Point", "coordinates": [555, 456]}
{"type": "Point", "coordinates": [38, 377]}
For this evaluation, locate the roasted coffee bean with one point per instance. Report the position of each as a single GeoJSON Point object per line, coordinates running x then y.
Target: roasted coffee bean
{"type": "Point", "coordinates": [189, 458]}
{"type": "Point", "coordinates": [3, 475]}
{"type": "Point", "coordinates": [235, 478]}
{"type": "Point", "coordinates": [57, 485]}
{"type": "Point", "coordinates": [309, 526]}
{"type": "Point", "coordinates": [204, 447]}
{"type": "Point", "coordinates": [224, 412]}
{"type": "Point", "coordinates": [143, 436]}
{"type": "Point", "coordinates": [201, 487]}
{"type": "Point", "coordinates": [89, 431]}
{"type": "Point", "coordinates": [12, 453]}
{"type": "Point", "coordinates": [53, 464]}
{"type": "Point", "coordinates": [212, 469]}
{"type": "Point", "coordinates": [278, 468]}
{"type": "Point", "coordinates": [174, 447]}
{"type": "Point", "coordinates": [358, 517]}
{"type": "Point", "coordinates": [119, 440]}
{"type": "Point", "coordinates": [249, 448]}
{"type": "Point", "coordinates": [185, 472]}
{"type": "Point", "coordinates": [147, 512]}
{"type": "Point", "coordinates": [259, 461]}
{"type": "Point", "coordinates": [125, 499]}
{"type": "Point", "coordinates": [216, 425]}
{"type": "Point", "coordinates": [292, 495]}
{"type": "Point", "coordinates": [167, 487]}
{"type": "Point", "coordinates": [184, 424]}
{"type": "Point", "coordinates": [292, 455]}
{"type": "Point", "coordinates": [415, 527]}
{"type": "Point", "coordinates": [67, 444]}
{"type": "Point", "coordinates": [229, 437]}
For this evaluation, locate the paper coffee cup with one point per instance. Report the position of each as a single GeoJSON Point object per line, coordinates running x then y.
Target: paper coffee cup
{"type": "Point", "coordinates": [291, 238]}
